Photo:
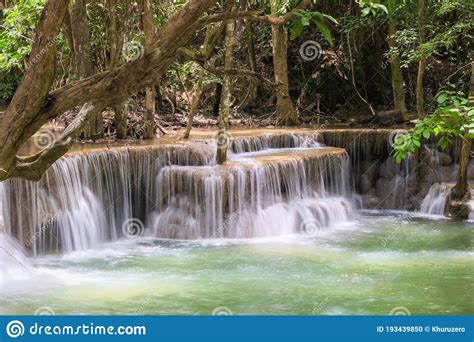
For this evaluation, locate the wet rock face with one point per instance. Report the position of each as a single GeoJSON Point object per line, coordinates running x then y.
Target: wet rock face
{"type": "Point", "coordinates": [384, 184]}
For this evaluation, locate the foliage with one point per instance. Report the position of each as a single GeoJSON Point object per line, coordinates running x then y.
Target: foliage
{"type": "Point", "coordinates": [454, 116]}
{"type": "Point", "coordinates": [373, 7]}
{"type": "Point", "coordinates": [16, 33]}
{"type": "Point", "coordinates": [305, 18]}
{"type": "Point", "coordinates": [447, 46]}
{"type": "Point", "coordinates": [445, 38]}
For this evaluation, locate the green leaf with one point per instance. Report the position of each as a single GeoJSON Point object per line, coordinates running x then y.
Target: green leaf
{"type": "Point", "coordinates": [324, 29]}
{"type": "Point", "coordinates": [441, 98]}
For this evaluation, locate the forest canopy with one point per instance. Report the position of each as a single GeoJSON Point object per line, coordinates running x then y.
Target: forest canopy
{"type": "Point", "coordinates": [115, 69]}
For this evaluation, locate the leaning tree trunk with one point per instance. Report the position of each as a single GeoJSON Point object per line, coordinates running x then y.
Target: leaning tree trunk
{"type": "Point", "coordinates": [30, 95]}
{"type": "Point", "coordinates": [420, 100]}
{"type": "Point", "coordinates": [83, 60]}
{"type": "Point", "coordinates": [397, 76]}
{"type": "Point", "coordinates": [222, 136]}
{"type": "Point", "coordinates": [286, 112]}
{"type": "Point", "coordinates": [150, 95]}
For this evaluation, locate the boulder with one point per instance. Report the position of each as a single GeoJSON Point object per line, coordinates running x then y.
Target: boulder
{"type": "Point", "coordinates": [437, 158]}
{"type": "Point", "coordinates": [439, 174]}
{"type": "Point", "coordinates": [365, 184]}
{"type": "Point", "coordinates": [389, 169]}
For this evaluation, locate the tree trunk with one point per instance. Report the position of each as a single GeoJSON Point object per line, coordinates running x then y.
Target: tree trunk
{"type": "Point", "coordinates": [30, 95]}
{"type": "Point", "coordinates": [116, 39]}
{"type": "Point", "coordinates": [254, 85]}
{"type": "Point", "coordinates": [222, 137]}
{"type": "Point", "coordinates": [68, 34]}
{"type": "Point", "coordinates": [217, 100]}
{"type": "Point", "coordinates": [458, 204]}
{"type": "Point", "coordinates": [150, 95]}
{"type": "Point", "coordinates": [194, 103]}
{"type": "Point", "coordinates": [397, 76]}
{"type": "Point", "coordinates": [286, 112]}
{"type": "Point", "coordinates": [420, 100]}
{"type": "Point", "coordinates": [83, 67]}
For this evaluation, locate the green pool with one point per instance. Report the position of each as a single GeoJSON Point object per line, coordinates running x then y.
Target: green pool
{"type": "Point", "coordinates": [380, 263]}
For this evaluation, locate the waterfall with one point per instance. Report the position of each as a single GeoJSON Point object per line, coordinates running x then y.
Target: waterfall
{"type": "Point", "coordinates": [84, 199]}
{"type": "Point", "coordinates": [13, 262]}
{"type": "Point", "coordinates": [435, 201]}
{"type": "Point", "coordinates": [272, 185]}
{"type": "Point", "coordinates": [471, 214]}
{"type": "Point", "coordinates": [254, 198]}
{"type": "Point", "coordinates": [274, 141]}
{"type": "Point", "coordinates": [2, 205]}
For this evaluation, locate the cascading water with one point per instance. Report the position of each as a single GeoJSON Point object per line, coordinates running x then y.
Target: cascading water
{"type": "Point", "coordinates": [272, 185]}
{"type": "Point", "coordinates": [13, 262]}
{"type": "Point", "coordinates": [274, 141]}
{"type": "Point", "coordinates": [435, 202]}
{"type": "Point", "coordinates": [254, 196]}
{"type": "Point", "coordinates": [84, 199]}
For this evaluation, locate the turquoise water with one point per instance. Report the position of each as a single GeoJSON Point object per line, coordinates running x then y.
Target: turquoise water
{"type": "Point", "coordinates": [378, 264]}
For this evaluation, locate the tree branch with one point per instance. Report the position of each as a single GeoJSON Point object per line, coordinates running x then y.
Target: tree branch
{"type": "Point", "coordinates": [258, 16]}
{"type": "Point", "coordinates": [32, 167]}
